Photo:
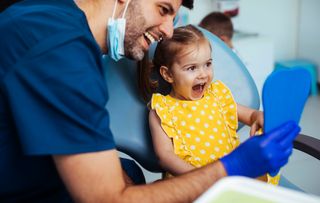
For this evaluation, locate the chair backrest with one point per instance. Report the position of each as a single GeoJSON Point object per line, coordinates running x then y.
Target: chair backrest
{"type": "Point", "coordinates": [129, 114]}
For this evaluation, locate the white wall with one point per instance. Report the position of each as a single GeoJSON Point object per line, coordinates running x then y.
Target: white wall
{"type": "Point", "coordinates": [309, 32]}
{"type": "Point", "coordinates": [200, 10]}
{"type": "Point", "coordinates": [276, 19]}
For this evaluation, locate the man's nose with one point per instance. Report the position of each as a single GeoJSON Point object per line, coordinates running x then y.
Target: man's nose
{"type": "Point", "coordinates": [166, 28]}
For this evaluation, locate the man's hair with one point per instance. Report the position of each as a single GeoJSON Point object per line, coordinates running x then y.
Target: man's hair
{"type": "Point", "coordinates": [6, 3]}
{"type": "Point", "coordinates": [218, 23]}
{"type": "Point", "coordinates": [188, 3]}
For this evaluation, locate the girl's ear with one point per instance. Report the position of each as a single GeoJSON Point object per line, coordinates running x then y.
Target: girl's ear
{"type": "Point", "coordinates": [166, 74]}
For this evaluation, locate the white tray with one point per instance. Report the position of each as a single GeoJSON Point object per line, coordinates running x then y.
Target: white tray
{"type": "Point", "coordinates": [246, 190]}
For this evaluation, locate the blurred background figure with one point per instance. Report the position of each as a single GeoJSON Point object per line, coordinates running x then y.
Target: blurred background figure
{"type": "Point", "coordinates": [219, 24]}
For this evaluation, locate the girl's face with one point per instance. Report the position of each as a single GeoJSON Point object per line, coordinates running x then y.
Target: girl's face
{"type": "Point", "coordinates": [191, 73]}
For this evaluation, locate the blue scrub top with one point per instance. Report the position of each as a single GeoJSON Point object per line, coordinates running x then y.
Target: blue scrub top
{"type": "Point", "coordinates": [52, 97]}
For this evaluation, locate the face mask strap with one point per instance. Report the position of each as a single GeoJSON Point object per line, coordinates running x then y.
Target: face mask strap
{"type": "Point", "coordinates": [125, 9]}
{"type": "Point", "coordinates": [114, 9]}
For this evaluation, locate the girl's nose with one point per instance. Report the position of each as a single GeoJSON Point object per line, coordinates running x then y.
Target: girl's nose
{"type": "Point", "coordinates": [202, 73]}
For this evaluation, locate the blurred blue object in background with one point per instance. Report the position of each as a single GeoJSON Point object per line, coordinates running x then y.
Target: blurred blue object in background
{"type": "Point", "coordinates": [304, 64]}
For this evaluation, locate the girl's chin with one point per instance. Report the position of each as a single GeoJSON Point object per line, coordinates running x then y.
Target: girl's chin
{"type": "Point", "coordinates": [197, 95]}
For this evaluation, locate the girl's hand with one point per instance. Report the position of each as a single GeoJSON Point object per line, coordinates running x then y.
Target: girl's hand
{"type": "Point", "coordinates": [257, 123]}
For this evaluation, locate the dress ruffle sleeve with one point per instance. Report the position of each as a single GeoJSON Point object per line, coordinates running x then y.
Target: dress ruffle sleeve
{"type": "Point", "coordinates": [166, 109]}
{"type": "Point", "coordinates": [159, 104]}
{"type": "Point", "coordinates": [228, 106]}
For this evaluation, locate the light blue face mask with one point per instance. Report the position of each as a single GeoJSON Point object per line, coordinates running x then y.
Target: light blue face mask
{"type": "Point", "coordinates": [116, 33]}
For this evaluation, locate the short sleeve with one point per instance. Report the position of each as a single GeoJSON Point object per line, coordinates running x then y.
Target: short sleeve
{"type": "Point", "coordinates": [57, 99]}
{"type": "Point", "coordinates": [159, 104]}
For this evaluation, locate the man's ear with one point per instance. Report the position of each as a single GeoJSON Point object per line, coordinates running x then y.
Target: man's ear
{"type": "Point", "coordinates": [166, 74]}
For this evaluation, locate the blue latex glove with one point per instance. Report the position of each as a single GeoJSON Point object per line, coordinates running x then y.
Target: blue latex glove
{"type": "Point", "coordinates": [262, 154]}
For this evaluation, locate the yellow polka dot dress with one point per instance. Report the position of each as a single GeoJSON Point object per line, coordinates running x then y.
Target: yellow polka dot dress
{"type": "Point", "coordinates": [202, 131]}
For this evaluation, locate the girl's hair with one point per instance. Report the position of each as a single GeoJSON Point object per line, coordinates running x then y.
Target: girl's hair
{"type": "Point", "coordinates": [167, 51]}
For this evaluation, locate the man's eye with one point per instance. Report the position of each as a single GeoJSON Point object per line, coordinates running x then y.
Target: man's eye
{"type": "Point", "coordinates": [163, 10]}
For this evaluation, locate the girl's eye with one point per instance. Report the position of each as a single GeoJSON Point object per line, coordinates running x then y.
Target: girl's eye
{"type": "Point", "coordinates": [192, 68]}
{"type": "Point", "coordinates": [209, 63]}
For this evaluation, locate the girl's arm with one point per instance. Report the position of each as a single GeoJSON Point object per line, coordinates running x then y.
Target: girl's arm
{"type": "Point", "coordinates": [250, 117]}
{"type": "Point", "coordinates": [163, 147]}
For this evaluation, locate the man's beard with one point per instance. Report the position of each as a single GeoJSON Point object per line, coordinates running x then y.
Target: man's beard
{"type": "Point", "coordinates": [134, 30]}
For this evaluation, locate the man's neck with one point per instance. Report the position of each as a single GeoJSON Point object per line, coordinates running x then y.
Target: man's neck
{"type": "Point", "coordinates": [97, 13]}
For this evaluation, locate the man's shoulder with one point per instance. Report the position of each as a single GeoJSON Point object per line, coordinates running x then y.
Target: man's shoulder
{"type": "Point", "coordinates": [33, 21]}
{"type": "Point", "coordinates": [34, 27]}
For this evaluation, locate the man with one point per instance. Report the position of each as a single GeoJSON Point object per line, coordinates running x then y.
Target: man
{"type": "Point", "coordinates": [54, 128]}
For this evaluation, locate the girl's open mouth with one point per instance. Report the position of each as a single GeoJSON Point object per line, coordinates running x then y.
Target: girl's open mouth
{"type": "Point", "coordinates": [198, 89]}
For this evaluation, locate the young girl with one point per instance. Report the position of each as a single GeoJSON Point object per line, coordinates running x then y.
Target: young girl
{"type": "Point", "coordinates": [194, 121]}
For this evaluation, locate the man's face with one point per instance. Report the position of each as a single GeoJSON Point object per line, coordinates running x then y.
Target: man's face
{"type": "Point", "coordinates": [148, 21]}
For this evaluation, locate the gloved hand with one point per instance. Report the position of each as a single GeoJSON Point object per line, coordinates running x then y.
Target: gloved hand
{"type": "Point", "coordinates": [262, 154]}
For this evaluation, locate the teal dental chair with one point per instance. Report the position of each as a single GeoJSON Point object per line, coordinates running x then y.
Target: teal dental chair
{"type": "Point", "coordinates": [129, 113]}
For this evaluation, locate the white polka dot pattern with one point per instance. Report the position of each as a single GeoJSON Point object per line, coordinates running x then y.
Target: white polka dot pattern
{"type": "Point", "coordinates": [203, 130]}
